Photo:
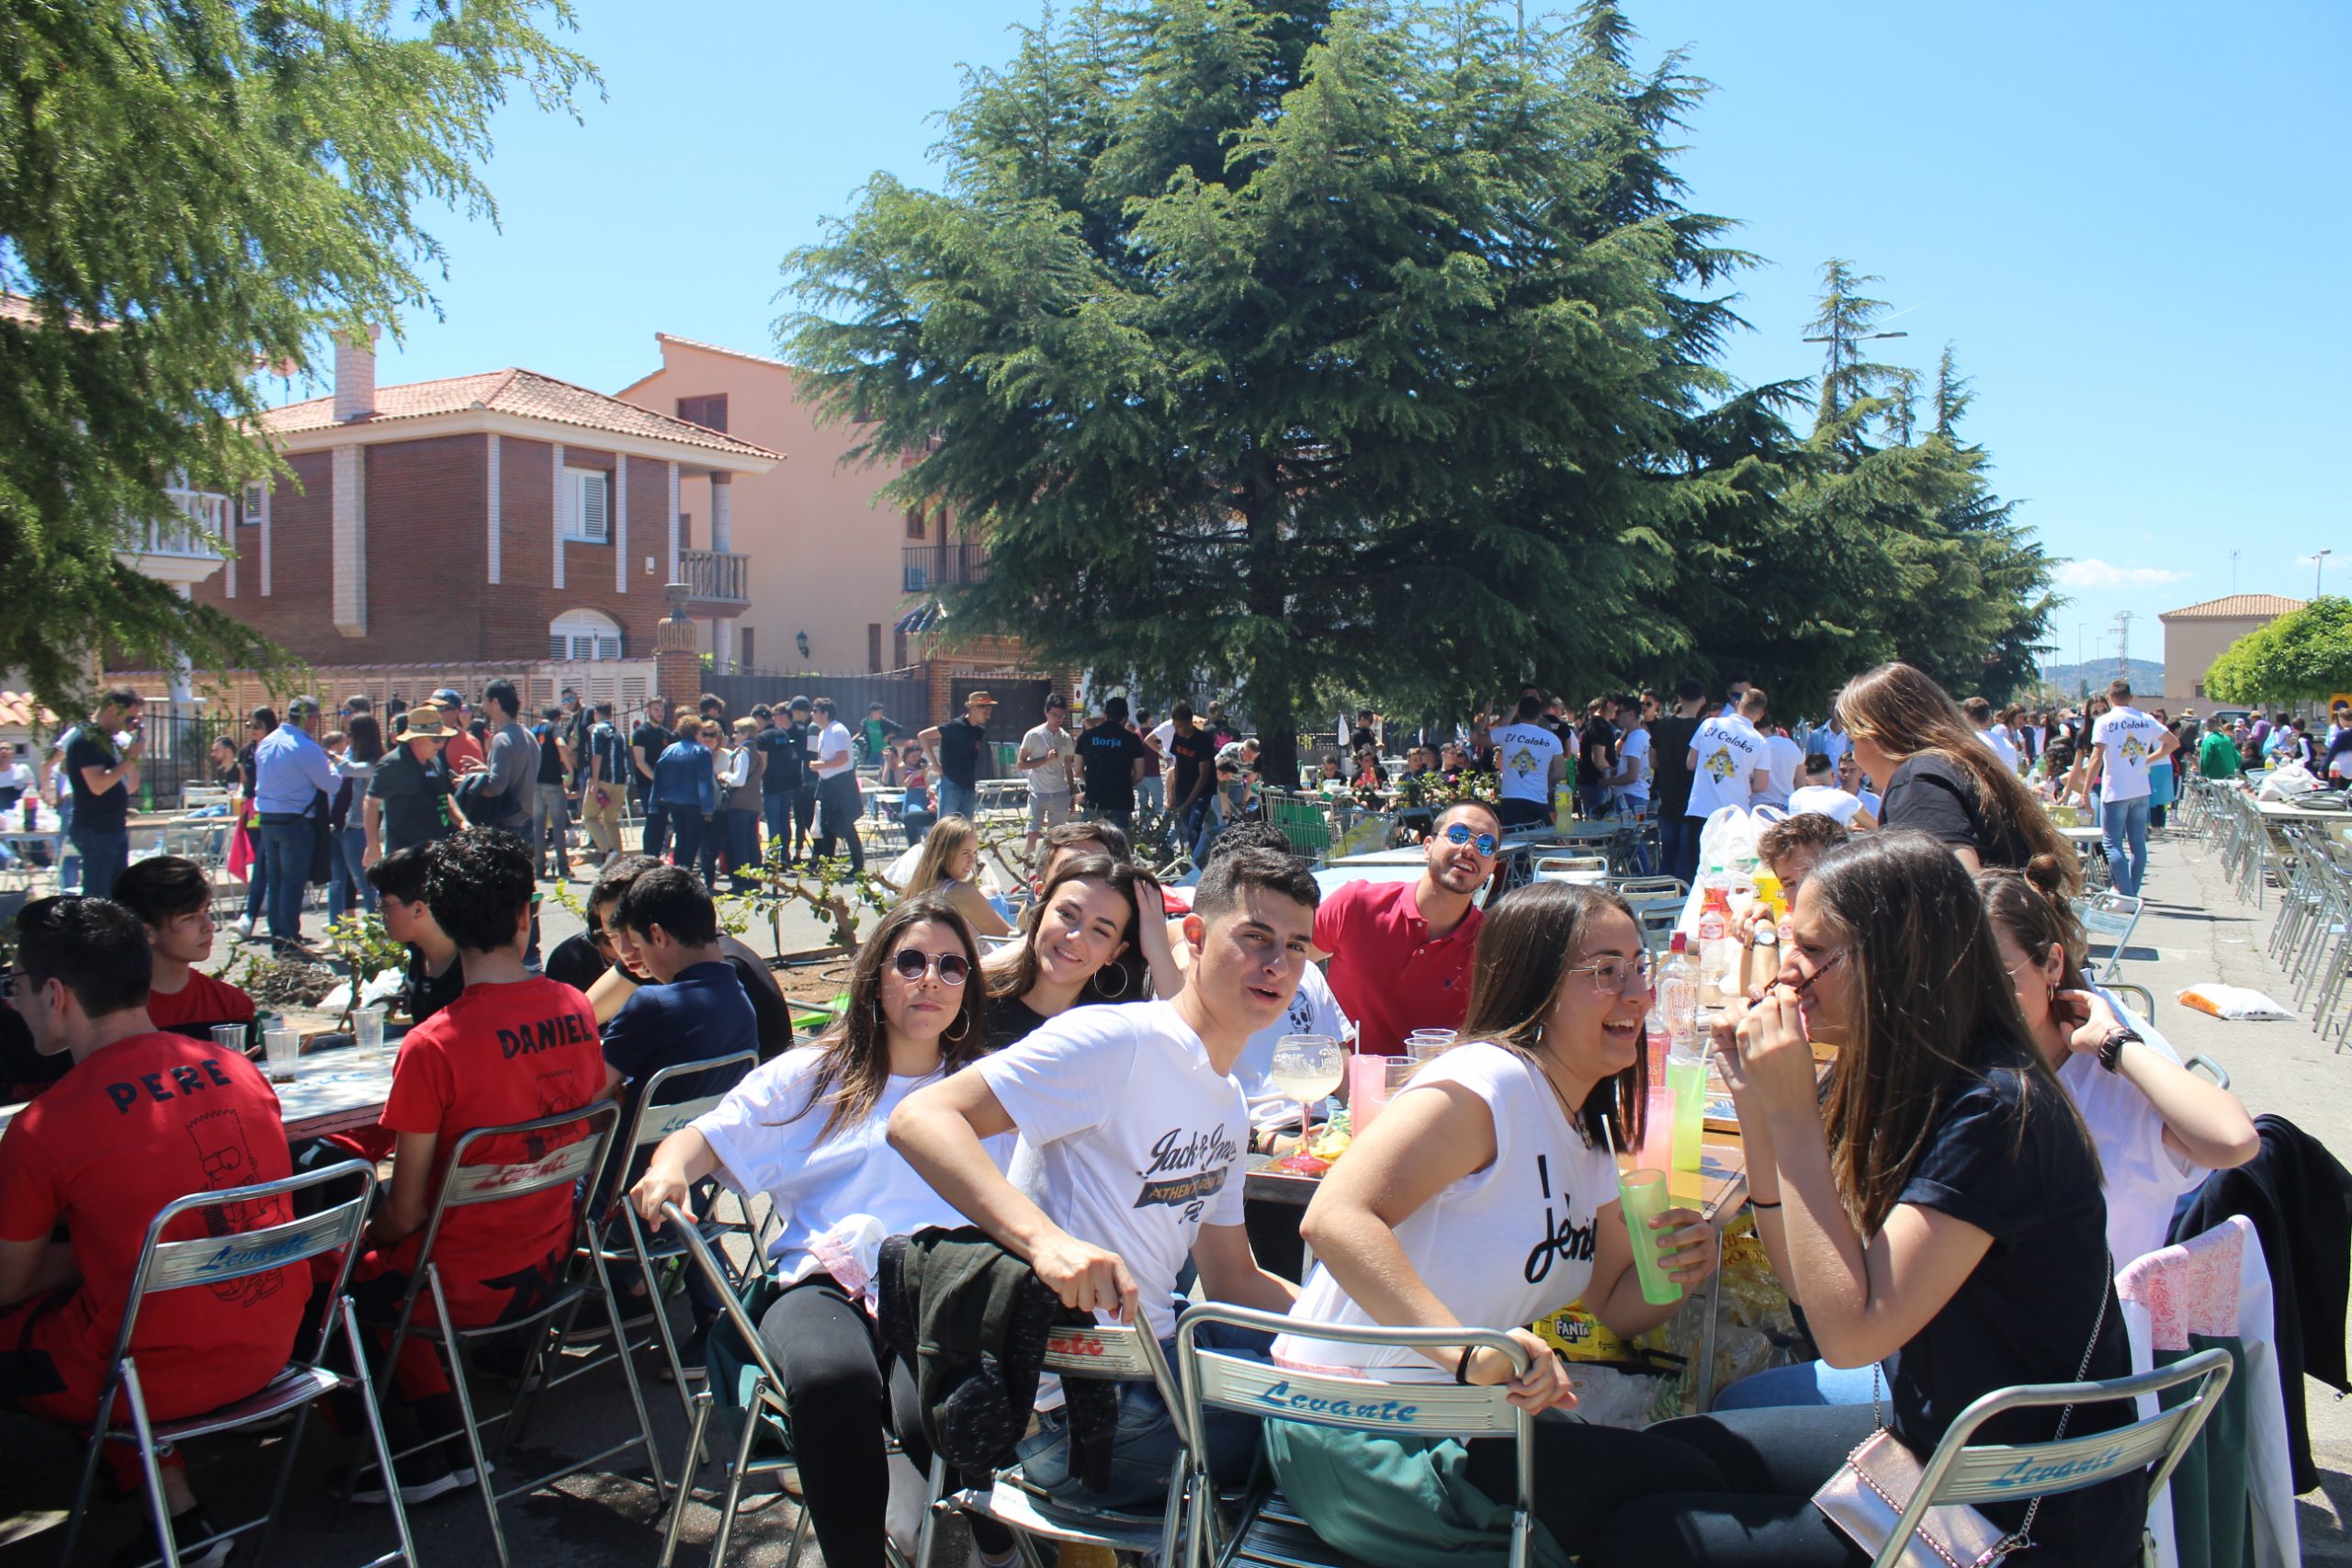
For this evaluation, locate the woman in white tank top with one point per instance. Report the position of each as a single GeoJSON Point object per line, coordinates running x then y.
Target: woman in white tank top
{"type": "Point", "coordinates": [1484, 1195]}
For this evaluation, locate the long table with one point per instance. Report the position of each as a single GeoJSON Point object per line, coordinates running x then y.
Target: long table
{"type": "Point", "coordinates": [332, 1091]}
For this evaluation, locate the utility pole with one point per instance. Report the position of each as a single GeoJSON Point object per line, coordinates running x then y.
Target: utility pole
{"type": "Point", "coordinates": [2233, 571]}
{"type": "Point", "coordinates": [2081, 667]}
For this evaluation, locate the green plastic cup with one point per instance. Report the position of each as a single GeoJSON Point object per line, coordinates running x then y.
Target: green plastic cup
{"type": "Point", "coordinates": [1689, 1082]}
{"type": "Point", "coordinates": [1642, 1194]}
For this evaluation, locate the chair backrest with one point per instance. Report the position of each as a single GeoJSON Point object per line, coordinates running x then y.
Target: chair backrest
{"type": "Point", "coordinates": [471, 1178]}
{"type": "Point", "coordinates": [657, 1116]}
{"type": "Point", "coordinates": [2143, 1001]}
{"type": "Point", "coordinates": [1959, 1472]}
{"type": "Point", "coordinates": [1112, 1350]}
{"type": "Point", "coordinates": [1634, 887]}
{"type": "Point", "coordinates": [2109, 914]}
{"type": "Point", "coordinates": [229, 1255]}
{"type": "Point", "coordinates": [1210, 1379]}
{"type": "Point", "coordinates": [1564, 867]}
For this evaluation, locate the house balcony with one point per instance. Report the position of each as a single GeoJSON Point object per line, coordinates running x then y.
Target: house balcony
{"type": "Point", "coordinates": [930, 567]}
{"type": "Point", "coordinates": [184, 551]}
{"type": "Point", "coordinates": [717, 583]}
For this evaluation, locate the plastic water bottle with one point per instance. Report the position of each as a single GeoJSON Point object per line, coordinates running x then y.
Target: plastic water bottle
{"type": "Point", "coordinates": [1715, 949]}
{"type": "Point", "coordinates": [1678, 992]}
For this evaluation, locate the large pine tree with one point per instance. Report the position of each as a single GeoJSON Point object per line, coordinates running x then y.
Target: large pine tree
{"type": "Point", "coordinates": [1299, 347]}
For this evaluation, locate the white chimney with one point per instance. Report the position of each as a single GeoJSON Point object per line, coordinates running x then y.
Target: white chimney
{"type": "Point", "coordinates": [355, 376]}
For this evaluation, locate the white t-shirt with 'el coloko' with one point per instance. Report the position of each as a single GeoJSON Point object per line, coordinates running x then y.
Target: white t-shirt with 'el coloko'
{"type": "Point", "coordinates": [1729, 751]}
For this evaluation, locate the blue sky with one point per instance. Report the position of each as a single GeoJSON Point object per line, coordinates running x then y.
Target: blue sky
{"type": "Point", "coordinates": [2112, 210]}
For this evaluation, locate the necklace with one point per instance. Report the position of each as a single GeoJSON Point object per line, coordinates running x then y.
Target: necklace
{"type": "Point", "coordinates": [1575, 1121]}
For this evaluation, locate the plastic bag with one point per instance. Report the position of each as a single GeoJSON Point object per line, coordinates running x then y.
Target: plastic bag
{"type": "Point", "coordinates": [2234, 1002]}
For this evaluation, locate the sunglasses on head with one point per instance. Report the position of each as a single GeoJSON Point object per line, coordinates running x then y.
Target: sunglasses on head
{"type": "Point", "coordinates": [1485, 843]}
{"type": "Point", "coordinates": [913, 965]}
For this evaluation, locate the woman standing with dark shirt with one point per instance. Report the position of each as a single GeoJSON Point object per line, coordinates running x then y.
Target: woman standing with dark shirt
{"type": "Point", "coordinates": [1948, 1209]}
{"type": "Point", "coordinates": [1939, 777]}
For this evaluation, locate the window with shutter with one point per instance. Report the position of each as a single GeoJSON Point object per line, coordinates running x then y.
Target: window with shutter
{"type": "Point", "coordinates": [256, 503]}
{"type": "Point", "coordinates": [710, 412]}
{"type": "Point", "coordinates": [590, 511]}
{"type": "Point", "coordinates": [584, 635]}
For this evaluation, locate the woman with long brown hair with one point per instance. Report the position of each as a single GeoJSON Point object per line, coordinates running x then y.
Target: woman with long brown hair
{"type": "Point", "coordinates": [1936, 774]}
{"type": "Point", "coordinates": [950, 865]}
{"type": "Point", "coordinates": [1089, 942]}
{"type": "Point", "coordinates": [1484, 1195]}
{"type": "Point", "coordinates": [807, 1128]}
{"type": "Point", "coordinates": [1944, 1204]}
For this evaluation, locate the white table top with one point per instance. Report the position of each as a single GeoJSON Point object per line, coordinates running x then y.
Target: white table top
{"type": "Point", "coordinates": [2287, 811]}
{"type": "Point", "coordinates": [330, 1093]}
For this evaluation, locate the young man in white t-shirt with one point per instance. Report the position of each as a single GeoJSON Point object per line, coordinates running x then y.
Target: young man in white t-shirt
{"type": "Point", "coordinates": [1783, 760]}
{"type": "Point", "coordinates": [1726, 760]}
{"type": "Point", "coordinates": [1048, 755]}
{"type": "Point", "coordinates": [1820, 793]}
{"type": "Point", "coordinates": [1143, 1139]}
{"type": "Point", "coordinates": [838, 802]}
{"type": "Point", "coordinates": [1631, 780]}
{"type": "Point", "coordinates": [1980, 719]}
{"type": "Point", "coordinates": [2124, 744]}
{"type": "Point", "coordinates": [1533, 763]}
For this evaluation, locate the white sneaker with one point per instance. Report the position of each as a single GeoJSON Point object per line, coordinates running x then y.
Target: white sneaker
{"type": "Point", "coordinates": [244, 927]}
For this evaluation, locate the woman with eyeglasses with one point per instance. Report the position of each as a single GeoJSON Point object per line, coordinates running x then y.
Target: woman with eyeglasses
{"type": "Point", "coordinates": [1485, 1196]}
{"type": "Point", "coordinates": [1944, 1204]}
{"type": "Point", "coordinates": [1088, 944]}
{"type": "Point", "coordinates": [807, 1128]}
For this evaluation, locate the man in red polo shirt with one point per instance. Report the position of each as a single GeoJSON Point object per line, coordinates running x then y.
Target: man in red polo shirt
{"type": "Point", "coordinates": [1400, 950]}
{"type": "Point", "coordinates": [141, 1119]}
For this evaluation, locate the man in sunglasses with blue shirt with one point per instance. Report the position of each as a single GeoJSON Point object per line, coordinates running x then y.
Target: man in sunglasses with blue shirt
{"type": "Point", "coordinates": [1400, 952]}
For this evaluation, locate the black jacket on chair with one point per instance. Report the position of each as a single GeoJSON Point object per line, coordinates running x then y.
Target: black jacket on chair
{"type": "Point", "coordinates": [971, 1322]}
{"type": "Point", "coordinates": [2298, 1199]}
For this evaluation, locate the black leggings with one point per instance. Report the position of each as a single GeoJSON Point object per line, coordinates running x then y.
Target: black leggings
{"type": "Point", "coordinates": [1585, 1473]}
{"type": "Point", "coordinates": [837, 1396]}
{"type": "Point", "coordinates": [1761, 1514]}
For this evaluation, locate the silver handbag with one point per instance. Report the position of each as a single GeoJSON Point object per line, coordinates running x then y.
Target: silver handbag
{"type": "Point", "coordinates": [1867, 1495]}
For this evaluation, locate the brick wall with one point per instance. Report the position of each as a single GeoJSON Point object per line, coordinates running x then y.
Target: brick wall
{"type": "Point", "coordinates": [427, 543]}
{"type": "Point", "coordinates": [298, 613]}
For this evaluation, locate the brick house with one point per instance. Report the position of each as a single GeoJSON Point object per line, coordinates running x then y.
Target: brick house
{"type": "Point", "coordinates": [506, 517]}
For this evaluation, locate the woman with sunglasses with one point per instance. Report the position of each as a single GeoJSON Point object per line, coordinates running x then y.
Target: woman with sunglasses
{"type": "Point", "coordinates": [1088, 943]}
{"type": "Point", "coordinates": [1484, 1195]}
{"type": "Point", "coordinates": [1944, 1204]}
{"type": "Point", "coordinates": [807, 1130]}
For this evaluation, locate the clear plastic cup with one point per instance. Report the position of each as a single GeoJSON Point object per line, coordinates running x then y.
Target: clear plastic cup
{"type": "Point", "coordinates": [229, 1037]}
{"type": "Point", "coordinates": [1642, 1195]}
{"type": "Point", "coordinates": [1428, 1044]}
{"type": "Point", "coordinates": [1689, 1082]}
{"type": "Point", "coordinates": [1371, 1081]}
{"type": "Point", "coordinates": [281, 1047]}
{"type": "Point", "coordinates": [368, 1029]}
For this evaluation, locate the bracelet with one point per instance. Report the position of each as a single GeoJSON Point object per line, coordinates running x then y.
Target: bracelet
{"type": "Point", "coordinates": [2110, 1050]}
{"type": "Point", "coordinates": [1462, 1367]}
{"type": "Point", "coordinates": [1760, 1203]}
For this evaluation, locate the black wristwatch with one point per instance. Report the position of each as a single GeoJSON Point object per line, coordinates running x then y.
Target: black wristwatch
{"type": "Point", "coordinates": [2110, 1050]}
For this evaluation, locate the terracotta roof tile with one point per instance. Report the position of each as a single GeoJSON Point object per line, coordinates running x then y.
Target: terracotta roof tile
{"type": "Point", "coordinates": [18, 711]}
{"type": "Point", "coordinates": [2235, 606]}
{"type": "Point", "coordinates": [526, 393]}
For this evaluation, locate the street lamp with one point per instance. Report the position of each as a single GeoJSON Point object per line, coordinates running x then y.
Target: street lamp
{"type": "Point", "coordinates": [2319, 565]}
{"type": "Point", "coordinates": [801, 641]}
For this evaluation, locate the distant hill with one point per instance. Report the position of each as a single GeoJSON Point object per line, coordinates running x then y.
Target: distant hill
{"type": "Point", "coordinates": [2147, 676]}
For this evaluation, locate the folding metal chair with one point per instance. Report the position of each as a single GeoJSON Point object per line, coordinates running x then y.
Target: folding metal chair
{"type": "Point", "coordinates": [1631, 887]}
{"type": "Point", "coordinates": [1959, 1471]}
{"type": "Point", "coordinates": [2143, 1001]}
{"type": "Point", "coordinates": [468, 1181]}
{"type": "Point", "coordinates": [1591, 870]}
{"type": "Point", "coordinates": [1266, 1531]}
{"type": "Point", "coordinates": [2108, 918]}
{"type": "Point", "coordinates": [762, 1404]}
{"type": "Point", "coordinates": [657, 1117]}
{"type": "Point", "coordinates": [1114, 1352]}
{"type": "Point", "coordinates": [213, 1261]}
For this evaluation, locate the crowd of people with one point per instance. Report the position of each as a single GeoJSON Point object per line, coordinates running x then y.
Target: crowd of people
{"type": "Point", "coordinates": [1085, 1083]}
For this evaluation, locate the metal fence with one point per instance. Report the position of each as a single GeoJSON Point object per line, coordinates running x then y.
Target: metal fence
{"type": "Point", "coordinates": [905, 694]}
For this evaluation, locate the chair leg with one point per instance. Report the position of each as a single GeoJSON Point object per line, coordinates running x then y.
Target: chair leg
{"type": "Point", "coordinates": [927, 1538]}
{"type": "Point", "coordinates": [90, 1458]}
{"type": "Point", "coordinates": [157, 1508]}
{"type": "Point", "coordinates": [455, 1358]}
{"type": "Point", "coordinates": [293, 1446]}
{"type": "Point", "coordinates": [799, 1537]}
{"type": "Point", "coordinates": [701, 1403]}
{"type": "Point", "coordinates": [628, 1372]}
{"type": "Point", "coordinates": [375, 1414]}
{"type": "Point", "coordinates": [735, 1485]}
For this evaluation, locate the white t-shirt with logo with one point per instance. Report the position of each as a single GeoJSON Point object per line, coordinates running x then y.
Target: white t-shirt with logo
{"type": "Point", "coordinates": [1313, 1010]}
{"type": "Point", "coordinates": [833, 740]}
{"type": "Point", "coordinates": [1634, 747]}
{"type": "Point", "coordinates": [1997, 737]}
{"type": "Point", "coordinates": [1729, 752]}
{"type": "Point", "coordinates": [768, 1138]}
{"type": "Point", "coordinates": [1783, 762]}
{"type": "Point", "coordinates": [1527, 752]}
{"type": "Point", "coordinates": [2145, 1179]}
{"type": "Point", "coordinates": [2131, 739]}
{"type": "Point", "coordinates": [1835, 804]}
{"type": "Point", "coordinates": [1162, 734]}
{"type": "Point", "coordinates": [1053, 779]}
{"type": "Point", "coordinates": [1139, 1140]}
{"type": "Point", "coordinates": [1499, 1247]}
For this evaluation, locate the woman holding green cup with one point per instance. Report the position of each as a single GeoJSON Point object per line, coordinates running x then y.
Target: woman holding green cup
{"type": "Point", "coordinates": [1487, 1195]}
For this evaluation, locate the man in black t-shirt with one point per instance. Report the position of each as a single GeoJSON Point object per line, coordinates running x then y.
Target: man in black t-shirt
{"type": "Point", "coordinates": [409, 799]}
{"type": "Point", "coordinates": [1670, 740]}
{"type": "Point", "coordinates": [550, 805]}
{"type": "Point", "coordinates": [1195, 781]}
{"type": "Point", "coordinates": [954, 749]}
{"type": "Point", "coordinates": [1110, 758]}
{"type": "Point", "coordinates": [103, 777]}
{"type": "Point", "coordinates": [646, 743]}
{"type": "Point", "coordinates": [603, 781]}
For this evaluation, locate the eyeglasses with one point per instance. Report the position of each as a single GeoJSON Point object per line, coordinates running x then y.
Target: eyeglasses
{"type": "Point", "coordinates": [913, 965]}
{"type": "Point", "coordinates": [1485, 843]}
{"type": "Point", "coordinates": [1616, 976]}
{"type": "Point", "coordinates": [1806, 984]}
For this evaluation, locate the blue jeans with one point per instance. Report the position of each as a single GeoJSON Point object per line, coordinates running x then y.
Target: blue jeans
{"type": "Point", "coordinates": [743, 846]}
{"type": "Point", "coordinates": [782, 842]}
{"type": "Point", "coordinates": [349, 878]}
{"type": "Point", "coordinates": [1152, 793]}
{"type": "Point", "coordinates": [959, 800]}
{"type": "Point", "coordinates": [1678, 843]}
{"type": "Point", "coordinates": [1145, 1448]}
{"type": "Point", "coordinates": [286, 850]}
{"type": "Point", "coordinates": [104, 855]}
{"type": "Point", "coordinates": [2125, 825]}
{"type": "Point", "coordinates": [1807, 1382]}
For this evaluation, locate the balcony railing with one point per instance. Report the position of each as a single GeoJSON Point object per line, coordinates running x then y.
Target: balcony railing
{"type": "Point", "coordinates": [198, 537]}
{"type": "Point", "coordinates": [714, 576]}
{"type": "Point", "coordinates": [940, 566]}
